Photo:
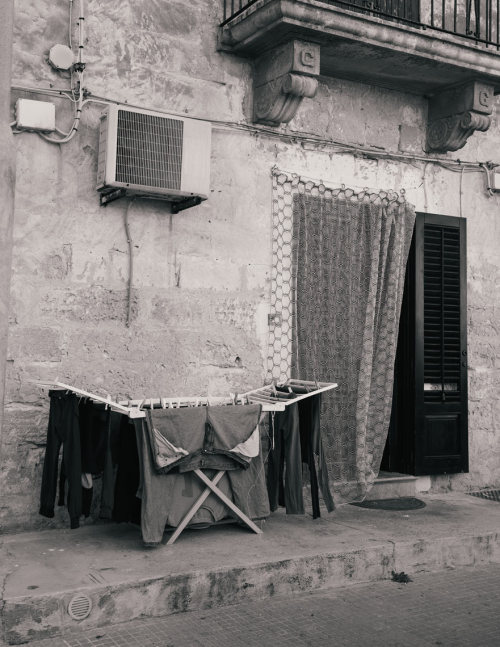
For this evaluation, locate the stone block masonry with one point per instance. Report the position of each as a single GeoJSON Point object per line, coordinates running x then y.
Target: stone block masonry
{"type": "Point", "coordinates": [201, 279]}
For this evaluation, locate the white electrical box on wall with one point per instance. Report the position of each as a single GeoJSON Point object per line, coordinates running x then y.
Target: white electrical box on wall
{"type": "Point", "coordinates": [495, 181]}
{"type": "Point", "coordinates": [152, 154]}
{"type": "Point", "coordinates": [35, 115]}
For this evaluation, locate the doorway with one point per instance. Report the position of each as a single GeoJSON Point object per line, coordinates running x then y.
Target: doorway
{"type": "Point", "coordinates": [428, 431]}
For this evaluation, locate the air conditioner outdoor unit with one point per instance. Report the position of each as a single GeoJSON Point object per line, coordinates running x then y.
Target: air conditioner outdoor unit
{"type": "Point", "coordinates": [151, 154]}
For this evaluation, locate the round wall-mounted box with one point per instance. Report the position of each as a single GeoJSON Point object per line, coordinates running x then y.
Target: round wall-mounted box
{"type": "Point", "coordinates": [61, 57]}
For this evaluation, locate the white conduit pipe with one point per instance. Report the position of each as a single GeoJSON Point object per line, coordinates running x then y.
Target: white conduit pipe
{"type": "Point", "coordinates": [79, 66]}
{"type": "Point", "coordinates": [81, 33]}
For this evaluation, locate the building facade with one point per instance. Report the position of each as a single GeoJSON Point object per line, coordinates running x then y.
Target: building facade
{"type": "Point", "coordinates": [344, 94]}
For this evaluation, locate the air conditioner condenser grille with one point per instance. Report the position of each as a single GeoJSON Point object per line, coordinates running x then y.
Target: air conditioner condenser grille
{"type": "Point", "coordinates": [149, 150]}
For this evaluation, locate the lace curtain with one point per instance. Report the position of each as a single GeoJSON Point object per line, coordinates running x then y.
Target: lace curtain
{"type": "Point", "coordinates": [342, 258]}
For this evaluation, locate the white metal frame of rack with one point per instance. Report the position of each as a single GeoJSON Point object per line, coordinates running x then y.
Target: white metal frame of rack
{"type": "Point", "coordinates": [274, 400]}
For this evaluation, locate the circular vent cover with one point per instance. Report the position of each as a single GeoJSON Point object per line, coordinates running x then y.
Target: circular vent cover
{"type": "Point", "coordinates": [80, 607]}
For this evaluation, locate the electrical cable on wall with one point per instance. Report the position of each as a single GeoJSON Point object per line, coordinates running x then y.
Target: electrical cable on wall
{"type": "Point", "coordinates": [130, 262]}
{"type": "Point", "coordinates": [339, 148]}
{"type": "Point", "coordinates": [76, 119]}
{"type": "Point", "coordinates": [70, 36]}
{"type": "Point", "coordinates": [424, 185]}
{"type": "Point", "coordinates": [456, 166]}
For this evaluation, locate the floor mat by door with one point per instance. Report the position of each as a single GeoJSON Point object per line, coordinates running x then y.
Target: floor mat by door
{"type": "Point", "coordinates": [398, 503]}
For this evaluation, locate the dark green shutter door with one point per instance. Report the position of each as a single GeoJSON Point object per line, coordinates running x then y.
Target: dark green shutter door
{"type": "Point", "coordinates": [428, 430]}
{"type": "Point", "coordinates": [441, 444]}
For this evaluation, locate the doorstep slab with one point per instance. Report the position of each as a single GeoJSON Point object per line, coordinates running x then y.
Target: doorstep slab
{"type": "Point", "coordinates": [391, 485]}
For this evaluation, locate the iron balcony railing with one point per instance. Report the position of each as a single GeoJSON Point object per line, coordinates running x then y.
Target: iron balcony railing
{"type": "Point", "coordinates": [477, 20]}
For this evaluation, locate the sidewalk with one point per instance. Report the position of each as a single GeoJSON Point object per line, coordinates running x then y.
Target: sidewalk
{"type": "Point", "coordinates": [450, 608]}
{"type": "Point", "coordinates": [105, 569]}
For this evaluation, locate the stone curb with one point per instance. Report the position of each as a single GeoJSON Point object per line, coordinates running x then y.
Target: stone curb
{"type": "Point", "coordinates": [36, 617]}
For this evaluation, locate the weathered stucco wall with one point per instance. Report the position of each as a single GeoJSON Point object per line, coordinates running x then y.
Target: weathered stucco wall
{"type": "Point", "coordinates": [202, 277]}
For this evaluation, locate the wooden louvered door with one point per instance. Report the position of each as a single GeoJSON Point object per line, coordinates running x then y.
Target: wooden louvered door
{"type": "Point", "coordinates": [440, 346]}
{"type": "Point", "coordinates": [428, 433]}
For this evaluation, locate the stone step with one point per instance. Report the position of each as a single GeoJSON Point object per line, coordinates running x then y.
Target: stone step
{"type": "Point", "coordinates": [391, 485]}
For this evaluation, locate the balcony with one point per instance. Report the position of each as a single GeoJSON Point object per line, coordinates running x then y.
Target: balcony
{"type": "Point", "coordinates": [447, 50]}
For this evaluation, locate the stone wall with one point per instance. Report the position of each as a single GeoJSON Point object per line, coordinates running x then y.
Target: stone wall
{"type": "Point", "coordinates": [201, 286]}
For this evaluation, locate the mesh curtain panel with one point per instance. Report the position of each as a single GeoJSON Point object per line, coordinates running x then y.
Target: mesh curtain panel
{"type": "Point", "coordinates": [339, 267]}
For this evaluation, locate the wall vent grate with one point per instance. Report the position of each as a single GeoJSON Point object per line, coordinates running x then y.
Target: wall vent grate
{"type": "Point", "coordinates": [80, 607]}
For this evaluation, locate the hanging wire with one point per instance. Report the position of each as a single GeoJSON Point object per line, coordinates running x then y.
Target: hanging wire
{"type": "Point", "coordinates": [488, 167]}
{"type": "Point", "coordinates": [70, 43]}
{"type": "Point", "coordinates": [76, 118]}
{"type": "Point", "coordinates": [130, 261]}
{"type": "Point", "coordinates": [424, 185]}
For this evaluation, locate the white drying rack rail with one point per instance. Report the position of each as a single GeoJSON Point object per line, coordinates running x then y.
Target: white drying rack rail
{"type": "Point", "coordinates": [132, 412]}
{"type": "Point", "coordinates": [273, 400]}
{"type": "Point", "coordinates": [267, 396]}
{"type": "Point", "coordinates": [186, 401]}
{"type": "Point", "coordinates": [134, 408]}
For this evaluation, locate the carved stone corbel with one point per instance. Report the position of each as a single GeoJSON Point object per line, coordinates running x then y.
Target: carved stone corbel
{"type": "Point", "coordinates": [283, 77]}
{"type": "Point", "coordinates": [457, 112]}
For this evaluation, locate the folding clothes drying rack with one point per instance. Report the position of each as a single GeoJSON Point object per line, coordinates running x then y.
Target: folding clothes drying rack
{"type": "Point", "coordinates": [270, 399]}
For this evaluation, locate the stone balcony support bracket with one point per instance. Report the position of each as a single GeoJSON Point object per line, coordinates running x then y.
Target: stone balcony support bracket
{"type": "Point", "coordinates": [455, 113]}
{"type": "Point", "coordinates": [283, 77]}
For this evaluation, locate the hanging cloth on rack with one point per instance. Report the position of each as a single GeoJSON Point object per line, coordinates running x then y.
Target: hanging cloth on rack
{"type": "Point", "coordinates": [89, 434]}
{"type": "Point", "coordinates": [312, 453]}
{"type": "Point", "coordinates": [63, 431]}
{"type": "Point", "coordinates": [166, 497]}
{"type": "Point", "coordinates": [206, 437]}
{"type": "Point", "coordinates": [211, 434]}
{"type": "Point", "coordinates": [94, 426]}
{"type": "Point", "coordinates": [297, 441]}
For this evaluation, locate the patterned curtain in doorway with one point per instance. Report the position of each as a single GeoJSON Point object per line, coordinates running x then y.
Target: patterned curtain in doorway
{"type": "Point", "coordinates": [342, 257]}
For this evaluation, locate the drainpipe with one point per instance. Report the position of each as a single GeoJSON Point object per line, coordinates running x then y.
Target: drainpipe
{"type": "Point", "coordinates": [7, 181]}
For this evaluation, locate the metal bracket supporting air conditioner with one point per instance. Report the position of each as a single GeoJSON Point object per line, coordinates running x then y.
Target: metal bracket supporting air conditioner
{"type": "Point", "coordinates": [187, 203]}
{"type": "Point", "coordinates": [111, 196]}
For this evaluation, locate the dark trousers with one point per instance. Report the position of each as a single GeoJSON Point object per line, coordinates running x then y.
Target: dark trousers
{"type": "Point", "coordinates": [110, 464]}
{"type": "Point", "coordinates": [297, 440]}
{"type": "Point", "coordinates": [127, 507]}
{"type": "Point", "coordinates": [284, 467]}
{"type": "Point", "coordinates": [63, 430]}
{"type": "Point", "coordinates": [312, 452]}
{"type": "Point", "coordinates": [94, 423]}
{"type": "Point", "coordinates": [94, 431]}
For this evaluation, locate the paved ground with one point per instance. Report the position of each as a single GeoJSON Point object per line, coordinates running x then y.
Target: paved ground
{"type": "Point", "coordinates": [452, 608]}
